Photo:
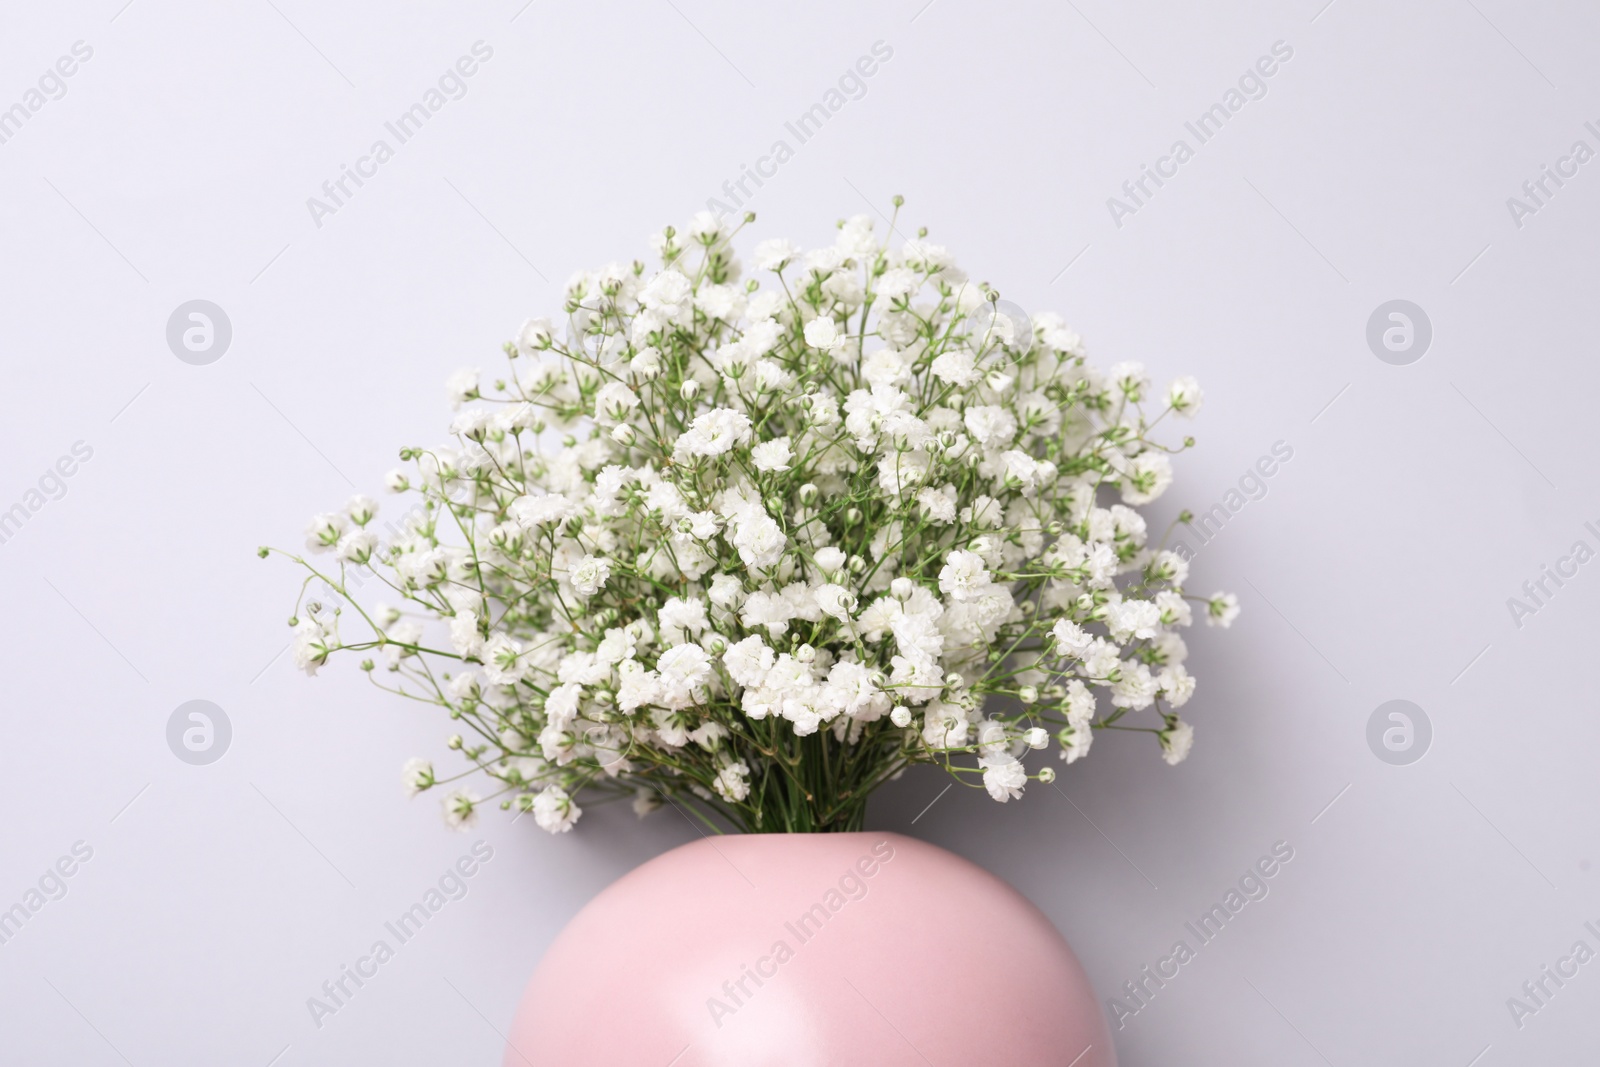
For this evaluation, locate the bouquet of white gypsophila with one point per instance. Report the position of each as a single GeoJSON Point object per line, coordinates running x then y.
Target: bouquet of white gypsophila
{"type": "Point", "coordinates": [753, 547]}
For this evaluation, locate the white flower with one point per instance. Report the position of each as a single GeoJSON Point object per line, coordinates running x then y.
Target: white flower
{"type": "Point", "coordinates": [1135, 686]}
{"type": "Point", "coordinates": [1176, 740]}
{"type": "Point", "coordinates": [1070, 638]}
{"type": "Point", "coordinates": [725, 302]}
{"type": "Point", "coordinates": [589, 575]}
{"type": "Point", "coordinates": [1171, 566]}
{"type": "Point", "coordinates": [357, 546]}
{"type": "Point", "coordinates": [682, 669]}
{"type": "Point", "coordinates": [666, 291]}
{"type": "Point", "coordinates": [706, 227]}
{"type": "Point", "coordinates": [823, 333]}
{"type": "Point", "coordinates": [1075, 742]}
{"type": "Point", "coordinates": [992, 426]}
{"type": "Point", "coordinates": [361, 509]}
{"type": "Point", "coordinates": [897, 282]}
{"type": "Point", "coordinates": [760, 541]}
{"type": "Point", "coordinates": [713, 433]}
{"type": "Point", "coordinates": [647, 364]}
{"type": "Point", "coordinates": [462, 385]}
{"type": "Point", "coordinates": [1053, 332]}
{"type": "Point", "coordinates": [957, 367]}
{"type": "Point", "coordinates": [680, 618]}
{"type": "Point", "coordinates": [749, 661]}
{"type": "Point", "coordinates": [639, 687]}
{"type": "Point", "coordinates": [1080, 704]}
{"type": "Point", "coordinates": [617, 645]}
{"type": "Point", "coordinates": [1004, 777]}
{"type": "Point", "coordinates": [773, 455]}
{"type": "Point", "coordinates": [614, 402]}
{"type": "Point", "coordinates": [835, 600]}
{"type": "Point", "coordinates": [938, 504]}
{"type": "Point", "coordinates": [1130, 379]}
{"type": "Point", "coordinates": [771, 610]}
{"type": "Point", "coordinates": [534, 336]}
{"type": "Point", "coordinates": [1177, 685]}
{"type": "Point", "coordinates": [464, 635]}
{"type": "Point", "coordinates": [312, 645]}
{"type": "Point", "coordinates": [1021, 470]}
{"type": "Point", "coordinates": [1147, 477]}
{"type": "Point", "coordinates": [503, 661]}
{"type": "Point", "coordinates": [544, 510]}
{"type": "Point", "coordinates": [1132, 620]}
{"type": "Point", "coordinates": [417, 775]}
{"type": "Point", "coordinates": [645, 801]}
{"type": "Point", "coordinates": [1184, 396]}
{"type": "Point", "coordinates": [554, 811]}
{"type": "Point", "coordinates": [992, 738]}
{"type": "Point", "coordinates": [726, 591]}
{"type": "Point", "coordinates": [1222, 609]}
{"type": "Point", "coordinates": [460, 809]}
{"type": "Point", "coordinates": [944, 725]}
{"type": "Point", "coordinates": [829, 562]}
{"type": "Point", "coordinates": [963, 575]}
{"type": "Point", "coordinates": [733, 782]}
{"type": "Point", "coordinates": [325, 531]}
{"type": "Point", "coordinates": [774, 254]}
{"type": "Point", "coordinates": [1175, 610]}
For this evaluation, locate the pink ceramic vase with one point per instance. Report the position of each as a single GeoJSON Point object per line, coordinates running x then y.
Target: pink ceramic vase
{"type": "Point", "coordinates": [804, 950]}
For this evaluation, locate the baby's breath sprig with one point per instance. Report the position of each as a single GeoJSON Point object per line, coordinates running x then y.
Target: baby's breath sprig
{"type": "Point", "coordinates": [753, 547]}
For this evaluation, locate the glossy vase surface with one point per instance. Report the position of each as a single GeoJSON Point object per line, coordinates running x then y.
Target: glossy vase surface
{"type": "Point", "coordinates": [806, 950]}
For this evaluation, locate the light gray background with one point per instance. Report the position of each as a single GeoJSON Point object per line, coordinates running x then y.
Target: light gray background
{"type": "Point", "coordinates": [1418, 500]}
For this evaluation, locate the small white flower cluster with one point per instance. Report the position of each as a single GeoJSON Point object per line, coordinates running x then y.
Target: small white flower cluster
{"type": "Point", "coordinates": [756, 546]}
